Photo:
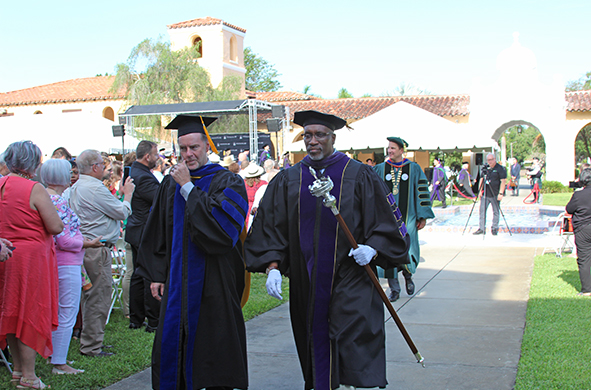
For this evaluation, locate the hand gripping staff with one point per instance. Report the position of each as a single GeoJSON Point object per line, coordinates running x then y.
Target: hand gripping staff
{"type": "Point", "coordinates": [321, 189]}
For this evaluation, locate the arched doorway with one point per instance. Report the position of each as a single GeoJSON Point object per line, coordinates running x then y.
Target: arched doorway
{"type": "Point", "coordinates": [583, 147]}
{"type": "Point", "coordinates": [521, 140]}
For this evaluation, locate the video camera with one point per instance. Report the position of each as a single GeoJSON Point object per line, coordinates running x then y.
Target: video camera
{"type": "Point", "coordinates": [575, 184]}
{"type": "Point", "coordinates": [484, 169]}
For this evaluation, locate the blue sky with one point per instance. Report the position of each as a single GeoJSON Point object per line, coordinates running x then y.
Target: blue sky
{"type": "Point", "coordinates": [368, 47]}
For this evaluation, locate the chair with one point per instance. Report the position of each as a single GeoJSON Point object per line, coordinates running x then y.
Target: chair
{"type": "Point", "coordinates": [563, 230]}
{"type": "Point", "coordinates": [118, 270]}
{"type": "Point", "coordinates": [5, 361]}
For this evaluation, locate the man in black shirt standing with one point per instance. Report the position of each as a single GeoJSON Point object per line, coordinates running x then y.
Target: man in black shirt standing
{"type": "Point", "coordinates": [495, 179]}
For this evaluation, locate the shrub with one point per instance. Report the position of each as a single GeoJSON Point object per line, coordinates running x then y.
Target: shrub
{"type": "Point", "coordinates": [553, 187]}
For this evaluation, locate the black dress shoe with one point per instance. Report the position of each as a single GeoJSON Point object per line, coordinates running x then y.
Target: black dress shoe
{"type": "Point", "coordinates": [134, 326]}
{"type": "Point", "coordinates": [151, 329]}
{"type": "Point", "coordinates": [394, 296]}
{"type": "Point", "coordinates": [100, 354]}
{"type": "Point", "coordinates": [477, 232]}
{"type": "Point", "coordinates": [494, 232]}
{"type": "Point", "coordinates": [410, 286]}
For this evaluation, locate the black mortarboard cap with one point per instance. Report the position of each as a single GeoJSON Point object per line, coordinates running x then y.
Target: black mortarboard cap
{"type": "Point", "coordinates": [402, 143]}
{"type": "Point", "coordinates": [305, 118]}
{"type": "Point", "coordinates": [187, 124]}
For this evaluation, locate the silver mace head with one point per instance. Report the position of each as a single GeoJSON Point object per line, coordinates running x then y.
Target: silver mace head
{"type": "Point", "coordinates": [321, 188]}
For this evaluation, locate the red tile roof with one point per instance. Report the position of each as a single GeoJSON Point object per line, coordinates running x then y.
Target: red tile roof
{"type": "Point", "coordinates": [207, 21]}
{"type": "Point", "coordinates": [76, 90]}
{"type": "Point", "coordinates": [283, 96]}
{"type": "Point", "coordinates": [357, 108]}
{"type": "Point", "coordinates": [578, 101]}
{"type": "Point", "coordinates": [97, 88]}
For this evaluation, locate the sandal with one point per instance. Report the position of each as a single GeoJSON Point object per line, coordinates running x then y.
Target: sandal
{"type": "Point", "coordinates": [59, 371]}
{"type": "Point", "coordinates": [32, 384]}
{"type": "Point", "coordinates": [16, 378]}
{"type": "Point", "coordinates": [584, 294]}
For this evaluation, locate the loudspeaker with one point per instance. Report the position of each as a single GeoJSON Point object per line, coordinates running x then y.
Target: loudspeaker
{"type": "Point", "coordinates": [278, 111]}
{"type": "Point", "coordinates": [118, 130]}
{"type": "Point", "coordinates": [273, 125]}
{"type": "Point", "coordinates": [479, 159]}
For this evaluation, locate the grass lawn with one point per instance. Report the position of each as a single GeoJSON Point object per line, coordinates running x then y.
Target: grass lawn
{"type": "Point", "coordinates": [459, 202]}
{"type": "Point", "coordinates": [132, 348]}
{"type": "Point", "coordinates": [559, 199]}
{"type": "Point", "coordinates": [556, 348]}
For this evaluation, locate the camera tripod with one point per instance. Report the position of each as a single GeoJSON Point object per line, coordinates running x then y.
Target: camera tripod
{"type": "Point", "coordinates": [484, 184]}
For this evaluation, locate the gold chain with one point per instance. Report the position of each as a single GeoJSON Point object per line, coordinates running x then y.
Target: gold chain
{"type": "Point", "coordinates": [395, 179]}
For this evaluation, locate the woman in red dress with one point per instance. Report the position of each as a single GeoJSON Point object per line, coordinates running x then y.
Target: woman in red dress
{"type": "Point", "coordinates": [28, 280]}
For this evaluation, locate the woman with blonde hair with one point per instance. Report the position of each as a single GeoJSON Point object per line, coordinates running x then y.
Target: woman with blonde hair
{"type": "Point", "coordinates": [69, 244]}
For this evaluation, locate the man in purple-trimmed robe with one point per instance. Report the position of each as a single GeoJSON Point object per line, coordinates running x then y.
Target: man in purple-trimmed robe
{"type": "Point", "coordinates": [191, 253]}
{"type": "Point", "coordinates": [337, 315]}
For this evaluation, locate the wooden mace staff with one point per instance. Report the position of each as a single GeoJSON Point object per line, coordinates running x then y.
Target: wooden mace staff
{"type": "Point", "coordinates": [321, 189]}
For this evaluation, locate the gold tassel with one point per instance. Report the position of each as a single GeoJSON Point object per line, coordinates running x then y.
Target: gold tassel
{"type": "Point", "coordinates": [213, 148]}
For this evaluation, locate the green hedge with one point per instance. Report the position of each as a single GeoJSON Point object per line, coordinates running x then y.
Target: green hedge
{"type": "Point", "coordinates": [554, 187]}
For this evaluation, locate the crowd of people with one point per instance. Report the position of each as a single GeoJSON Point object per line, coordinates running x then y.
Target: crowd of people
{"type": "Point", "coordinates": [194, 228]}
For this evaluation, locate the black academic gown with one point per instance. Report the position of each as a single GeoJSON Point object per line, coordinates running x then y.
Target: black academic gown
{"type": "Point", "coordinates": [328, 289]}
{"type": "Point", "coordinates": [201, 339]}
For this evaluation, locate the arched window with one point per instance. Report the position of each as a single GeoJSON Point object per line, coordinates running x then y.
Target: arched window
{"type": "Point", "coordinates": [198, 42]}
{"type": "Point", "coordinates": [109, 114]}
{"type": "Point", "coordinates": [233, 49]}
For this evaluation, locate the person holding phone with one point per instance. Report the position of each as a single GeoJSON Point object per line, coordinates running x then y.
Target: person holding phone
{"type": "Point", "coordinates": [142, 305]}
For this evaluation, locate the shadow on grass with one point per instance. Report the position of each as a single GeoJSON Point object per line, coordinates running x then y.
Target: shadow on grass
{"type": "Point", "coordinates": [572, 278]}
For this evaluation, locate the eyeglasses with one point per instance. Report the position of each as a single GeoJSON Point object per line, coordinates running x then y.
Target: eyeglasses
{"type": "Point", "coordinates": [318, 136]}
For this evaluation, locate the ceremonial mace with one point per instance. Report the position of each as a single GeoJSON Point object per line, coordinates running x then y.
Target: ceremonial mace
{"type": "Point", "coordinates": [321, 189]}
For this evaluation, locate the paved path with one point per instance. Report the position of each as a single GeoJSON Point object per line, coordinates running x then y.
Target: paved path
{"type": "Point", "coordinates": [467, 319]}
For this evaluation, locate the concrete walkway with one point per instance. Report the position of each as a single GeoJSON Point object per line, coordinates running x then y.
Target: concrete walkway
{"type": "Point", "coordinates": [466, 318]}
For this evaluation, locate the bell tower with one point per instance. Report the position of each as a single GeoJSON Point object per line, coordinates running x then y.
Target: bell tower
{"type": "Point", "coordinates": [221, 46]}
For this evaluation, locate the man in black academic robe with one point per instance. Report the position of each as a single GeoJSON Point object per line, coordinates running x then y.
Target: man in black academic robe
{"type": "Point", "coordinates": [337, 315]}
{"type": "Point", "coordinates": [191, 253]}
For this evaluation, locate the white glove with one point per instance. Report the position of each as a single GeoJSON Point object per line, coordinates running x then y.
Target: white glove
{"type": "Point", "coordinates": [363, 254]}
{"type": "Point", "coordinates": [274, 284]}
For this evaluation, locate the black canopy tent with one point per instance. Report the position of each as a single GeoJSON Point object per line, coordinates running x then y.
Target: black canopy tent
{"type": "Point", "coordinates": [228, 107]}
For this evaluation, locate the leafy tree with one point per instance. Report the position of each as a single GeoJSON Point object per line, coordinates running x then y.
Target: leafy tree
{"type": "Point", "coordinates": [307, 89]}
{"type": "Point", "coordinates": [408, 89]}
{"type": "Point", "coordinates": [169, 77]}
{"type": "Point", "coordinates": [260, 75]}
{"type": "Point", "coordinates": [582, 84]}
{"type": "Point", "coordinates": [527, 142]}
{"type": "Point", "coordinates": [344, 94]}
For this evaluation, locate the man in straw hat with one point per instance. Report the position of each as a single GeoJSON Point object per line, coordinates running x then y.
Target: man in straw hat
{"type": "Point", "coordinates": [410, 188]}
{"type": "Point", "coordinates": [191, 253]}
{"type": "Point", "coordinates": [337, 315]}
